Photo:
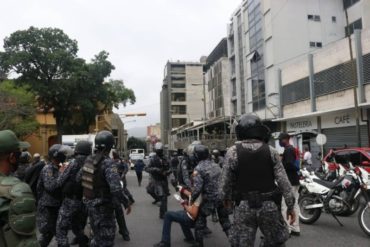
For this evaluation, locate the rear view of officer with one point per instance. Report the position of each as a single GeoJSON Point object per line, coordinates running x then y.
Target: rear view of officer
{"type": "Point", "coordinates": [101, 185]}
{"type": "Point", "coordinates": [49, 194]}
{"type": "Point", "coordinates": [250, 171]}
{"type": "Point", "coordinates": [72, 214]}
{"type": "Point", "coordinates": [206, 178]}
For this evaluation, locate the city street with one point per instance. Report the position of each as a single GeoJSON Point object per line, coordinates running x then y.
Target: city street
{"type": "Point", "coordinates": [145, 227]}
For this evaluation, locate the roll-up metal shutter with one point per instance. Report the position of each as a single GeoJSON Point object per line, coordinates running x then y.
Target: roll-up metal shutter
{"type": "Point", "coordinates": [338, 137]}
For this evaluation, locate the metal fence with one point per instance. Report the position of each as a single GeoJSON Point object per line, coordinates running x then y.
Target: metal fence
{"type": "Point", "coordinates": [333, 79]}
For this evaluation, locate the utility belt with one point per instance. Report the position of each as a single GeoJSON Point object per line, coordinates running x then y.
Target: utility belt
{"type": "Point", "coordinates": [91, 194]}
{"type": "Point", "coordinates": [255, 198]}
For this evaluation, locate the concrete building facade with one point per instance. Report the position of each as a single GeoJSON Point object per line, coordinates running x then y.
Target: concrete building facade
{"type": "Point", "coordinates": [181, 96]}
{"type": "Point", "coordinates": [264, 35]}
{"type": "Point", "coordinates": [322, 100]}
{"type": "Point", "coordinates": [217, 82]}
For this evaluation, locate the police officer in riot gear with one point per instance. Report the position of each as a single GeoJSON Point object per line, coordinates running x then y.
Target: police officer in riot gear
{"type": "Point", "coordinates": [101, 185]}
{"type": "Point", "coordinates": [206, 178]}
{"type": "Point", "coordinates": [186, 167]}
{"type": "Point", "coordinates": [72, 213]}
{"type": "Point", "coordinates": [159, 169]}
{"type": "Point", "coordinates": [24, 163]}
{"type": "Point", "coordinates": [49, 193]}
{"type": "Point", "coordinates": [217, 158]}
{"type": "Point", "coordinates": [252, 179]}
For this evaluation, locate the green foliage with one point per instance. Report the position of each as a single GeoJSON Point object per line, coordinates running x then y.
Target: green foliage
{"type": "Point", "coordinates": [17, 109]}
{"type": "Point", "coordinates": [46, 60]}
{"type": "Point", "coordinates": [134, 142]}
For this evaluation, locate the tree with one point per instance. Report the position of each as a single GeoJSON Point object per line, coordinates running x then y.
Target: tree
{"type": "Point", "coordinates": [46, 60]}
{"type": "Point", "coordinates": [17, 109]}
{"type": "Point", "coordinates": [133, 143]}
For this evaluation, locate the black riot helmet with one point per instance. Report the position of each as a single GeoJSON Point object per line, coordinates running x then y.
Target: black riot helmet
{"type": "Point", "coordinates": [104, 141]}
{"type": "Point", "coordinates": [201, 152]}
{"type": "Point", "coordinates": [83, 148]}
{"type": "Point", "coordinates": [59, 153]}
{"type": "Point", "coordinates": [25, 157]}
{"type": "Point", "coordinates": [216, 153]}
{"type": "Point", "coordinates": [158, 148]}
{"type": "Point", "coordinates": [251, 127]}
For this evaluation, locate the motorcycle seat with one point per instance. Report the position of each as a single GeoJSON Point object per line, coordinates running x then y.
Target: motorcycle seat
{"type": "Point", "coordinates": [327, 184]}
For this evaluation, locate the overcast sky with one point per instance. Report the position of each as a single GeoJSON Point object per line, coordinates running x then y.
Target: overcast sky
{"type": "Point", "coordinates": [140, 35]}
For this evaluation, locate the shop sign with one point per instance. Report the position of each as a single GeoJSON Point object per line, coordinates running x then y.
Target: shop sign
{"type": "Point", "coordinates": [301, 125]}
{"type": "Point", "coordinates": [338, 119]}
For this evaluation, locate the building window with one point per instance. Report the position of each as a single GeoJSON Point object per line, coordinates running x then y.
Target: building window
{"type": "Point", "coordinates": [349, 3]}
{"type": "Point", "coordinates": [177, 122]}
{"type": "Point", "coordinates": [353, 26]}
{"type": "Point", "coordinates": [315, 44]}
{"type": "Point", "coordinates": [178, 109]}
{"type": "Point", "coordinates": [178, 97]}
{"type": "Point", "coordinates": [256, 58]}
{"type": "Point", "coordinates": [334, 19]}
{"type": "Point", "coordinates": [313, 17]}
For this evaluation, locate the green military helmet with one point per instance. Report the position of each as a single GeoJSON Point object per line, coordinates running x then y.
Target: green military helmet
{"type": "Point", "coordinates": [9, 142]}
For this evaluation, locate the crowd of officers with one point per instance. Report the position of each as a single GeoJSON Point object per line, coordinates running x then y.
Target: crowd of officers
{"type": "Point", "coordinates": [249, 182]}
{"type": "Point", "coordinates": [61, 195]}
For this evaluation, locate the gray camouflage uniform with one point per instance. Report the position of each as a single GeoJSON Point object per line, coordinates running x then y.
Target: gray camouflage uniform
{"type": "Point", "coordinates": [268, 218]}
{"type": "Point", "coordinates": [101, 209]}
{"type": "Point", "coordinates": [49, 195]}
{"type": "Point", "coordinates": [207, 175]}
{"type": "Point", "coordinates": [72, 213]}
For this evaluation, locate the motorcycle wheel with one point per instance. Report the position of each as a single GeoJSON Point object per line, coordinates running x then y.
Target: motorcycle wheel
{"type": "Point", "coordinates": [364, 218]}
{"type": "Point", "coordinates": [354, 207]}
{"type": "Point", "coordinates": [308, 216]}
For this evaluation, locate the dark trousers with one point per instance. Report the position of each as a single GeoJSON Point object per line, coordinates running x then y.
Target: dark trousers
{"type": "Point", "coordinates": [47, 222]}
{"type": "Point", "coordinates": [180, 217]}
{"type": "Point", "coordinates": [121, 221]}
{"type": "Point", "coordinates": [139, 177]}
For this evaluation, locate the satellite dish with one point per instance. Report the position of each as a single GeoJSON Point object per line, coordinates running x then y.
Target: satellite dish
{"type": "Point", "coordinates": [321, 139]}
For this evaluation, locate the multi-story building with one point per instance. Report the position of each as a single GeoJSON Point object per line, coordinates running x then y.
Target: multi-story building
{"type": "Point", "coordinates": [217, 81]}
{"type": "Point", "coordinates": [264, 35]}
{"type": "Point", "coordinates": [215, 131]}
{"type": "Point", "coordinates": [181, 96]}
{"type": "Point", "coordinates": [317, 90]}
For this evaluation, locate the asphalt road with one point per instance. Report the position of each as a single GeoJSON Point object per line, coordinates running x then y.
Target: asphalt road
{"type": "Point", "coordinates": [145, 227]}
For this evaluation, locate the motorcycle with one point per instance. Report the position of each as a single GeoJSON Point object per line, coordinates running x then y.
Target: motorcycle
{"type": "Point", "coordinates": [331, 176]}
{"type": "Point", "coordinates": [335, 197]}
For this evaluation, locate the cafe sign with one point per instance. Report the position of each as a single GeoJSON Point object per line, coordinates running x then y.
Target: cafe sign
{"type": "Point", "coordinates": [302, 125]}
{"type": "Point", "coordinates": [338, 119]}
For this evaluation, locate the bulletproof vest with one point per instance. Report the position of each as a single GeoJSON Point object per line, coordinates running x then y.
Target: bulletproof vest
{"type": "Point", "coordinates": [93, 181]}
{"type": "Point", "coordinates": [71, 188]}
{"type": "Point", "coordinates": [255, 170]}
{"type": "Point", "coordinates": [161, 164]}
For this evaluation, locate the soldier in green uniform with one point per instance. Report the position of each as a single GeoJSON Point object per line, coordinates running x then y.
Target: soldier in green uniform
{"type": "Point", "coordinates": [17, 204]}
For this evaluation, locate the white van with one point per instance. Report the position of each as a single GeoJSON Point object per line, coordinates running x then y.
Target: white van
{"type": "Point", "coordinates": [136, 154]}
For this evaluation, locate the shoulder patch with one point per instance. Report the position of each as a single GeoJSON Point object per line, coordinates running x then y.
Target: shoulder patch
{"type": "Point", "coordinates": [114, 169]}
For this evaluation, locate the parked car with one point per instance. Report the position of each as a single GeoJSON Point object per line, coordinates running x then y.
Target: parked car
{"type": "Point", "coordinates": [357, 156]}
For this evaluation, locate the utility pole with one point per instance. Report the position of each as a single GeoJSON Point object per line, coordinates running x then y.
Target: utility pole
{"type": "Point", "coordinates": [354, 78]}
